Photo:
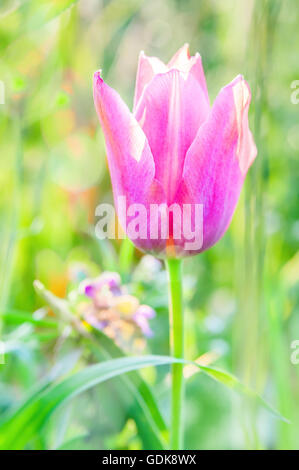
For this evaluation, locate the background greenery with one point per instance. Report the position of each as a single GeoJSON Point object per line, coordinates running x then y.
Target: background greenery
{"type": "Point", "coordinates": [242, 295]}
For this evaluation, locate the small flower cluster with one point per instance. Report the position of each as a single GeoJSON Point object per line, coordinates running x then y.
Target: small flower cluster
{"type": "Point", "coordinates": [108, 307]}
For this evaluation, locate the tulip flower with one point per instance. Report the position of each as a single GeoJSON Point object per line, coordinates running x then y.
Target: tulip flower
{"type": "Point", "coordinates": [176, 152]}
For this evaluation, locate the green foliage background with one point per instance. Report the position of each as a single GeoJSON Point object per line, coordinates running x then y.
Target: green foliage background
{"type": "Point", "coordinates": [241, 296]}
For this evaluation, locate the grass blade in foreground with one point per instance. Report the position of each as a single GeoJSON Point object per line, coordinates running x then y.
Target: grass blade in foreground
{"type": "Point", "coordinates": [96, 339]}
{"type": "Point", "coordinates": [38, 410]}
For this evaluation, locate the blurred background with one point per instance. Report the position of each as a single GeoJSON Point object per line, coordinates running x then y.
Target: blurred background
{"type": "Point", "coordinates": [242, 296]}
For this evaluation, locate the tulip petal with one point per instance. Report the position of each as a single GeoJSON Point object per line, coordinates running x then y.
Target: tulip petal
{"type": "Point", "coordinates": [196, 69]}
{"type": "Point", "coordinates": [183, 62]}
{"type": "Point", "coordinates": [246, 151]}
{"type": "Point", "coordinates": [170, 112]}
{"type": "Point", "coordinates": [130, 159]}
{"type": "Point", "coordinates": [148, 67]}
{"type": "Point", "coordinates": [180, 60]}
{"type": "Point", "coordinates": [218, 159]}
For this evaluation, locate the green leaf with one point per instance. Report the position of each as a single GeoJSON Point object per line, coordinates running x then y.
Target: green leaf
{"type": "Point", "coordinates": [133, 382]}
{"type": "Point", "coordinates": [18, 317]}
{"type": "Point", "coordinates": [234, 384]}
{"type": "Point", "coordinates": [38, 410]}
{"type": "Point", "coordinates": [145, 412]}
{"type": "Point", "coordinates": [126, 256]}
{"type": "Point", "coordinates": [18, 418]}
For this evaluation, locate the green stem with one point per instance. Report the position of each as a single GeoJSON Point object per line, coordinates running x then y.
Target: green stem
{"type": "Point", "coordinates": [176, 333]}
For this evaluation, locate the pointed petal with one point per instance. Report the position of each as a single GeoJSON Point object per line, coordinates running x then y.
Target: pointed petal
{"type": "Point", "coordinates": [217, 161]}
{"type": "Point", "coordinates": [196, 69]}
{"type": "Point", "coordinates": [189, 64]}
{"type": "Point", "coordinates": [130, 160]}
{"type": "Point", "coordinates": [171, 110]}
{"type": "Point", "coordinates": [246, 151]}
{"type": "Point", "coordinates": [148, 67]}
{"type": "Point", "coordinates": [180, 59]}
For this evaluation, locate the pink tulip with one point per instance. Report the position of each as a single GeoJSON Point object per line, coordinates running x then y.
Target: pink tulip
{"type": "Point", "coordinates": [176, 149]}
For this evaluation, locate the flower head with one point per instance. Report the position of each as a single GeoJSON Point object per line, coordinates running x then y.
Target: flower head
{"type": "Point", "coordinates": [175, 151]}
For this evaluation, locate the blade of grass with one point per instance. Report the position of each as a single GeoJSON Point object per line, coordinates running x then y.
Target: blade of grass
{"type": "Point", "coordinates": [34, 415]}
{"type": "Point", "coordinates": [96, 339]}
{"type": "Point", "coordinates": [15, 317]}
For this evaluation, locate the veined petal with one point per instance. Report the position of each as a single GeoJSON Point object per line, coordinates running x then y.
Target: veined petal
{"type": "Point", "coordinates": [246, 150]}
{"type": "Point", "coordinates": [185, 63]}
{"type": "Point", "coordinates": [148, 67]}
{"type": "Point", "coordinates": [130, 159]}
{"type": "Point", "coordinates": [180, 60]}
{"type": "Point", "coordinates": [170, 112]}
{"type": "Point", "coordinates": [218, 159]}
{"type": "Point", "coordinates": [196, 69]}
